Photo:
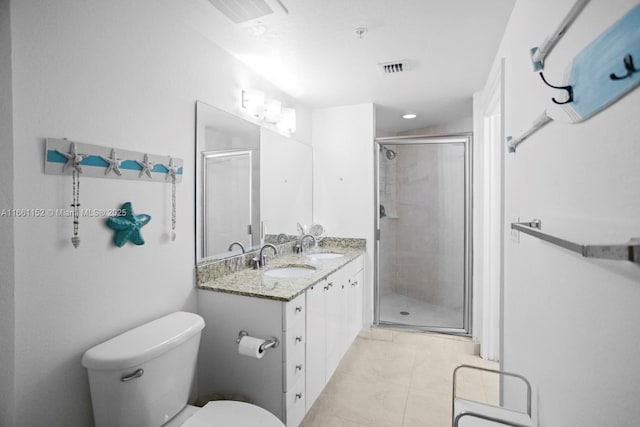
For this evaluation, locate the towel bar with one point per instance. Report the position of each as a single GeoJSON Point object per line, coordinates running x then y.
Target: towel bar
{"type": "Point", "coordinates": [629, 251]}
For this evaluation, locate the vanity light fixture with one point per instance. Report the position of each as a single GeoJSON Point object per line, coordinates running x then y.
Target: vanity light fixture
{"type": "Point", "coordinates": [287, 120]}
{"type": "Point", "coordinates": [409, 116]}
{"type": "Point", "coordinates": [272, 111]}
{"type": "Point", "coordinates": [253, 102]}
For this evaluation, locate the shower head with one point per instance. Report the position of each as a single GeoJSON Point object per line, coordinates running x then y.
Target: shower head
{"type": "Point", "coordinates": [389, 153]}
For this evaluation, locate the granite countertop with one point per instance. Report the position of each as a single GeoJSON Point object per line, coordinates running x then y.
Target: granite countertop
{"type": "Point", "coordinates": [255, 283]}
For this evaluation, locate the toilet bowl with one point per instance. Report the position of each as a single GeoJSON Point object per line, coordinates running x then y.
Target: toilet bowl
{"type": "Point", "coordinates": [143, 378]}
{"type": "Point", "coordinates": [226, 413]}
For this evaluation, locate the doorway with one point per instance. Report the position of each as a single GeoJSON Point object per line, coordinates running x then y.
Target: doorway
{"type": "Point", "coordinates": [423, 248]}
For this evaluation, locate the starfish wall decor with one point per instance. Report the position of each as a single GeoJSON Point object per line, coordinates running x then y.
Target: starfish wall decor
{"type": "Point", "coordinates": [172, 169]}
{"type": "Point", "coordinates": [73, 159]}
{"type": "Point", "coordinates": [127, 226]}
{"type": "Point", "coordinates": [114, 163]}
{"type": "Point", "coordinates": [146, 166]}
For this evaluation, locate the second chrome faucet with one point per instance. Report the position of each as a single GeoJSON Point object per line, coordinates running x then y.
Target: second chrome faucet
{"type": "Point", "coordinates": [261, 261]}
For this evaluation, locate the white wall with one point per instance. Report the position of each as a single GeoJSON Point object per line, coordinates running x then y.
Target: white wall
{"type": "Point", "coordinates": [343, 149]}
{"type": "Point", "coordinates": [123, 74]}
{"type": "Point", "coordinates": [6, 224]}
{"type": "Point", "coordinates": [286, 183]}
{"type": "Point", "coordinates": [461, 125]}
{"type": "Point", "coordinates": [570, 323]}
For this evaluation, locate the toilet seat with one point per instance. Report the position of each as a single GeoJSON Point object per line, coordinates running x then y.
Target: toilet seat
{"type": "Point", "coordinates": [227, 413]}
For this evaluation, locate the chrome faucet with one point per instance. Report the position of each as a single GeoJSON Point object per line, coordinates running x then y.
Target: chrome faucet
{"type": "Point", "coordinates": [236, 243]}
{"type": "Point", "coordinates": [315, 242]}
{"type": "Point", "coordinates": [261, 261]}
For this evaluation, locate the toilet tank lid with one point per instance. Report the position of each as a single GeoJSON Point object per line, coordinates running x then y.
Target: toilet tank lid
{"type": "Point", "coordinates": [143, 343]}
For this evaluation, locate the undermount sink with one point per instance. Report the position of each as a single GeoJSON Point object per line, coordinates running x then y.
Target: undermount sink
{"type": "Point", "coordinates": [325, 255]}
{"type": "Point", "coordinates": [291, 272]}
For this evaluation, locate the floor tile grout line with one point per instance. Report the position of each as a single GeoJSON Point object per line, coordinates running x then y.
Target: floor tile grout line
{"type": "Point", "coordinates": [409, 388]}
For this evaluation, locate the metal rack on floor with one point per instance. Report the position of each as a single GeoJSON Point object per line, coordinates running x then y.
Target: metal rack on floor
{"type": "Point", "coordinates": [471, 413]}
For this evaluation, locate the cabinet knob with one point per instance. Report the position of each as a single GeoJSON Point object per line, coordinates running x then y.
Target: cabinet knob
{"type": "Point", "coordinates": [298, 309]}
{"type": "Point", "coordinates": [298, 396]}
{"type": "Point", "coordinates": [299, 338]}
{"type": "Point", "coordinates": [298, 367]}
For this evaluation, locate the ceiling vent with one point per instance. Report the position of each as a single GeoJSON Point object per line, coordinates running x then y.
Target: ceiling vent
{"type": "Point", "coordinates": [393, 67]}
{"type": "Point", "coordinates": [239, 11]}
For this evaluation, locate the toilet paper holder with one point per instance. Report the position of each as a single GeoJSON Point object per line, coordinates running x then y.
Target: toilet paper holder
{"type": "Point", "coordinates": [272, 342]}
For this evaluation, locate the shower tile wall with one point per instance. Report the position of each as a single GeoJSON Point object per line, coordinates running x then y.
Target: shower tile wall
{"type": "Point", "coordinates": [423, 252]}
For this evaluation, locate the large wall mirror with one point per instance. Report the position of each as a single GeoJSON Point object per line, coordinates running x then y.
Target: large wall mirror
{"type": "Point", "coordinates": [250, 181]}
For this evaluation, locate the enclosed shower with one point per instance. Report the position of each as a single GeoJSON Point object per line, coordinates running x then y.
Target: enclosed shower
{"type": "Point", "coordinates": [423, 228]}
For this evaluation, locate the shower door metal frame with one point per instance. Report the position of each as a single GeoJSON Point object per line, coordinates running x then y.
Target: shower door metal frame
{"type": "Point", "coordinates": [458, 138]}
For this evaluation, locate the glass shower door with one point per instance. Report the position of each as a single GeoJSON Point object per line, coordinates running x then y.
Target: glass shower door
{"type": "Point", "coordinates": [424, 221]}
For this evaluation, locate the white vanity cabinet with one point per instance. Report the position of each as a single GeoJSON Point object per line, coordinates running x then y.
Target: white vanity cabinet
{"type": "Point", "coordinates": [334, 319]}
{"type": "Point", "coordinates": [314, 331]}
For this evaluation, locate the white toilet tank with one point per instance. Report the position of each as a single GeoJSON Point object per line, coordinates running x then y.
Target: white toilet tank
{"type": "Point", "coordinates": [143, 377]}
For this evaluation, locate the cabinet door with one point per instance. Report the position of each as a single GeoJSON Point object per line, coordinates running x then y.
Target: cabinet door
{"type": "Point", "coordinates": [316, 342]}
{"type": "Point", "coordinates": [336, 314]}
{"type": "Point", "coordinates": [355, 304]}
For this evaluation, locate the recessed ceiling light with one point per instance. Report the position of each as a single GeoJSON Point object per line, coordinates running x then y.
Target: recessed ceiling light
{"type": "Point", "coordinates": [409, 116]}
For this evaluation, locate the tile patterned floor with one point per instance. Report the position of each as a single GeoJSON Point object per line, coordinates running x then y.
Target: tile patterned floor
{"type": "Point", "coordinates": [393, 378]}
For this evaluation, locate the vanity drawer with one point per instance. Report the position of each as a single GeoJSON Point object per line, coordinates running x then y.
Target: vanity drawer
{"type": "Point", "coordinates": [294, 312]}
{"type": "Point", "coordinates": [294, 370]}
{"type": "Point", "coordinates": [295, 342]}
{"type": "Point", "coordinates": [295, 404]}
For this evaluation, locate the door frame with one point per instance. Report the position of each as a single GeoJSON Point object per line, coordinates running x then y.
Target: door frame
{"type": "Point", "coordinates": [467, 139]}
{"type": "Point", "coordinates": [490, 228]}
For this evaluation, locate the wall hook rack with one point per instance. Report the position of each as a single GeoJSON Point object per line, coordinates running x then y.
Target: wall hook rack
{"type": "Point", "coordinates": [594, 74]}
{"type": "Point", "coordinates": [629, 251]}
{"type": "Point", "coordinates": [63, 156]}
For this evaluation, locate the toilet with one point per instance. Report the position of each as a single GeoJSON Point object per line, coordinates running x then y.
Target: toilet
{"type": "Point", "coordinates": [143, 378]}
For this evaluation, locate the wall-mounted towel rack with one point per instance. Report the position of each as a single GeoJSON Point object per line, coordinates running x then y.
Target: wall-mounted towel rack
{"type": "Point", "coordinates": [538, 123]}
{"type": "Point", "coordinates": [539, 53]}
{"type": "Point", "coordinates": [629, 251]}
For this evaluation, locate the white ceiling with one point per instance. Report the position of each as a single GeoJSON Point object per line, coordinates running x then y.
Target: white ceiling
{"type": "Point", "coordinates": [312, 53]}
